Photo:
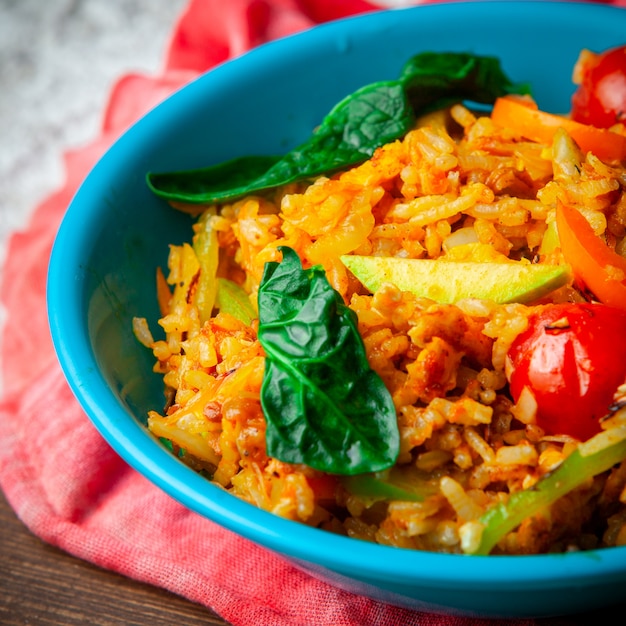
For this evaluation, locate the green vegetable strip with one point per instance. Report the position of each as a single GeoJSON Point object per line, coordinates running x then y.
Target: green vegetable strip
{"type": "Point", "coordinates": [323, 405]}
{"type": "Point", "coordinates": [234, 300]}
{"type": "Point", "coordinates": [572, 473]}
{"type": "Point", "coordinates": [394, 484]}
{"type": "Point", "coordinates": [370, 487]}
{"type": "Point", "coordinates": [370, 117]}
{"type": "Point", "coordinates": [206, 248]}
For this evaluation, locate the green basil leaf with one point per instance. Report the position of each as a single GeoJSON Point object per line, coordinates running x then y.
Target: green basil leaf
{"type": "Point", "coordinates": [324, 406]}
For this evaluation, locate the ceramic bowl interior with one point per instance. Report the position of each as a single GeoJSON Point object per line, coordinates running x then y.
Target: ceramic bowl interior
{"type": "Point", "coordinates": [115, 234]}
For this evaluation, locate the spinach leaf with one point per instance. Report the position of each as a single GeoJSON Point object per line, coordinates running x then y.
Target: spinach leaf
{"type": "Point", "coordinates": [370, 117]}
{"type": "Point", "coordinates": [323, 405]}
{"type": "Point", "coordinates": [229, 179]}
{"type": "Point", "coordinates": [433, 80]}
{"type": "Point", "coordinates": [349, 134]}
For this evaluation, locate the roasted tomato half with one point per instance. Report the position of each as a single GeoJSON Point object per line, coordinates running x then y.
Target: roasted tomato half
{"type": "Point", "coordinates": [572, 359]}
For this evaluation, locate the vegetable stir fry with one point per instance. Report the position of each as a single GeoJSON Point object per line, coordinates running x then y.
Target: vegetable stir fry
{"type": "Point", "coordinates": [408, 329]}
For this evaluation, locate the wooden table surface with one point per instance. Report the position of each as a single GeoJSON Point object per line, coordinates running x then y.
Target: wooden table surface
{"type": "Point", "coordinates": [42, 586]}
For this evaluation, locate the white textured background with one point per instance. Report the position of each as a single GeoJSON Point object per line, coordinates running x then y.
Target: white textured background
{"type": "Point", "coordinates": [58, 62]}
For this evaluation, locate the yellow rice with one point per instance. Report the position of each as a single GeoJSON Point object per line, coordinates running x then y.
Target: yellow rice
{"type": "Point", "coordinates": [457, 187]}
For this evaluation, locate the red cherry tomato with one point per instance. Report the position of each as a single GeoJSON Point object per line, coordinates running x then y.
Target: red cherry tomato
{"type": "Point", "coordinates": [572, 359]}
{"type": "Point", "coordinates": [600, 99]}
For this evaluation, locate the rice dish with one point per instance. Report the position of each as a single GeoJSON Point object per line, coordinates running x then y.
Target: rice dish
{"type": "Point", "coordinates": [457, 187]}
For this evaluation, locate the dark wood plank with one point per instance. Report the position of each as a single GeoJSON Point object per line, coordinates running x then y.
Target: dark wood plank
{"type": "Point", "coordinates": [42, 585]}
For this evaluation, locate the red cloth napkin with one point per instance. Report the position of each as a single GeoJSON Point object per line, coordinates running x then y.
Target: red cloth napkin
{"type": "Point", "coordinates": [63, 481]}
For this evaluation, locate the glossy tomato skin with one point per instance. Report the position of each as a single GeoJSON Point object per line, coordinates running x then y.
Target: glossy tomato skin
{"type": "Point", "coordinates": [572, 357]}
{"type": "Point", "coordinates": [600, 99]}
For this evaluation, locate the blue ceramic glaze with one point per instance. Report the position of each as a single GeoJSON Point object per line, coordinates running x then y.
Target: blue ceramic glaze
{"type": "Point", "coordinates": [116, 232]}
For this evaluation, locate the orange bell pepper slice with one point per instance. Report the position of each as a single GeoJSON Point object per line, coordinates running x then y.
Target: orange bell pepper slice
{"type": "Point", "coordinates": [523, 116]}
{"type": "Point", "coordinates": [601, 269]}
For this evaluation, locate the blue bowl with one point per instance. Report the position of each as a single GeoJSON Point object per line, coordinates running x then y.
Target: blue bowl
{"type": "Point", "coordinates": [116, 232]}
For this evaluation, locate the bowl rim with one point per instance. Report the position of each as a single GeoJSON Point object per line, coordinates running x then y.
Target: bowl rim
{"type": "Point", "coordinates": [143, 453]}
